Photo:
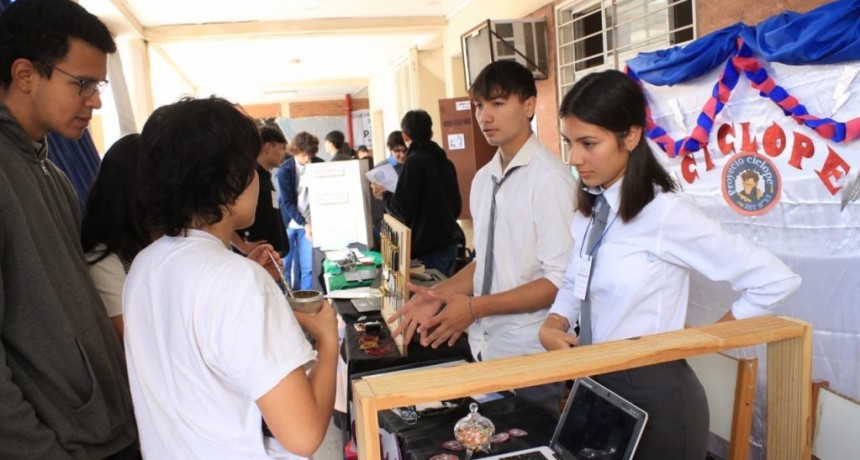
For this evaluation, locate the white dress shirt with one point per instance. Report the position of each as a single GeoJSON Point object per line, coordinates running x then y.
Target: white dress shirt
{"type": "Point", "coordinates": [641, 274]}
{"type": "Point", "coordinates": [534, 209]}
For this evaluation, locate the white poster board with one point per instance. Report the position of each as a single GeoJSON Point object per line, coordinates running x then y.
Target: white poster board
{"type": "Point", "coordinates": [339, 196]}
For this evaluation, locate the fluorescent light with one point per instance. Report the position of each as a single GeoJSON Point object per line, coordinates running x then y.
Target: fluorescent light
{"type": "Point", "coordinates": [287, 93]}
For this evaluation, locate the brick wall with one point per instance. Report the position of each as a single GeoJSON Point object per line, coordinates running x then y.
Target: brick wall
{"type": "Point", "coordinates": [546, 111]}
{"type": "Point", "coordinates": [710, 15]}
{"type": "Point", "coordinates": [335, 107]}
{"type": "Point", "coordinates": [258, 111]}
{"type": "Point", "coordinates": [713, 15]}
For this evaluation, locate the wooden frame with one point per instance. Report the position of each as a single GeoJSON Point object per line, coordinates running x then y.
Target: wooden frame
{"type": "Point", "coordinates": [729, 384]}
{"type": "Point", "coordinates": [834, 422]}
{"type": "Point", "coordinates": [739, 442]}
{"type": "Point", "coordinates": [789, 376]}
{"type": "Point", "coordinates": [403, 254]}
{"type": "Point", "coordinates": [817, 386]}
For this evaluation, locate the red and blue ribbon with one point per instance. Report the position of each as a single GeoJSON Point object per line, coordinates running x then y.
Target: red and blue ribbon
{"type": "Point", "coordinates": [743, 61]}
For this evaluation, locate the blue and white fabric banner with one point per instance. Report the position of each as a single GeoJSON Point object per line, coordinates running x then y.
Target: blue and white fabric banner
{"type": "Point", "coordinates": [760, 124]}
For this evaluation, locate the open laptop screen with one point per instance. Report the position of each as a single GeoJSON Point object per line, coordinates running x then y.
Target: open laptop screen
{"type": "Point", "coordinates": [597, 424]}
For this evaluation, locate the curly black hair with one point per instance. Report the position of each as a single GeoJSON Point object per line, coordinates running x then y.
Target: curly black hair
{"type": "Point", "coordinates": [199, 155]}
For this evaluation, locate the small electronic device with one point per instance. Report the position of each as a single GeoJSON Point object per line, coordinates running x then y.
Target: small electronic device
{"type": "Point", "coordinates": [360, 275]}
{"type": "Point", "coordinates": [372, 327]}
{"type": "Point", "coordinates": [367, 304]}
{"type": "Point", "coordinates": [596, 424]}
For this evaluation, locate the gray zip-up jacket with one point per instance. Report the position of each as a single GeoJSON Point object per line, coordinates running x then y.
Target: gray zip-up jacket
{"type": "Point", "coordinates": [63, 385]}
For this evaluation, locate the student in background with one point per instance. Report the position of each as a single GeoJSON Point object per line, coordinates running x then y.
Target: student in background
{"type": "Point", "coordinates": [427, 198]}
{"type": "Point", "coordinates": [397, 149]}
{"type": "Point", "coordinates": [296, 210]}
{"type": "Point", "coordinates": [362, 152]}
{"type": "Point", "coordinates": [268, 226]}
{"type": "Point", "coordinates": [213, 349]}
{"type": "Point", "coordinates": [112, 231]}
{"type": "Point", "coordinates": [640, 262]}
{"type": "Point", "coordinates": [397, 156]}
{"type": "Point", "coordinates": [63, 387]}
{"type": "Point", "coordinates": [337, 147]}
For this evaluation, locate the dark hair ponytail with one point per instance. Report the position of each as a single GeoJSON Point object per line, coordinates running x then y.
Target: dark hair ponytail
{"type": "Point", "coordinates": [613, 101]}
{"type": "Point", "coordinates": [114, 214]}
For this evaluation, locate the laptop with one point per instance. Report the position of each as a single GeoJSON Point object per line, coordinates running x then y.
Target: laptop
{"type": "Point", "coordinates": [596, 424]}
{"type": "Point", "coordinates": [367, 304]}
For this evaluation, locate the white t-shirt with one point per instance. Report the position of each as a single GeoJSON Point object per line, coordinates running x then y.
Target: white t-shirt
{"type": "Point", "coordinates": [534, 209]}
{"type": "Point", "coordinates": [108, 275]}
{"type": "Point", "coordinates": [302, 199]}
{"type": "Point", "coordinates": [641, 274]}
{"type": "Point", "coordinates": [208, 333]}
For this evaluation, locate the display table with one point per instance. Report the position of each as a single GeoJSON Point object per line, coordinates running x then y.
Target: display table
{"type": "Point", "coordinates": [359, 361]}
{"type": "Point", "coordinates": [424, 439]}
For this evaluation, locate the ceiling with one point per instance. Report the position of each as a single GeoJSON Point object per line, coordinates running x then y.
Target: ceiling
{"type": "Point", "coordinates": [259, 51]}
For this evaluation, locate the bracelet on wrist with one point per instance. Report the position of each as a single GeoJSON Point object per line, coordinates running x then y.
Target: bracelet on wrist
{"type": "Point", "coordinates": [471, 311]}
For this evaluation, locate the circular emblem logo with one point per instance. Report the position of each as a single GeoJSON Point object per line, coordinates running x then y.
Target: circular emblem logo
{"type": "Point", "coordinates": [751, 184]}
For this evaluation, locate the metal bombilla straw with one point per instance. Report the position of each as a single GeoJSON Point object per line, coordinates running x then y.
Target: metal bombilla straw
{"type": "Point", "coordinates": [281, 274]}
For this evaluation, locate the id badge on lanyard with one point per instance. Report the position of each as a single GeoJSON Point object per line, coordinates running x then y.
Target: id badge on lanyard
{"type": "Point", "coordinates": [583, 272]}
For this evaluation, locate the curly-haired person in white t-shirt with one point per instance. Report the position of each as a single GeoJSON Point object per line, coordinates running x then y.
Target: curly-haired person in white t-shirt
{"type": "Point", "coordinates": [212, 347]}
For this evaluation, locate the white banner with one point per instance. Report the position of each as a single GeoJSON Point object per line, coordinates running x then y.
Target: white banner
{"type": "Point", "coordinates": [779, 183]}
{"type": "Point", "coordinates": [361, 130]}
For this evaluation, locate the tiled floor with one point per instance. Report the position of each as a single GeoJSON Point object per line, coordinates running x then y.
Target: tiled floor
{"type": "Point", "coordinates": [332, 446]}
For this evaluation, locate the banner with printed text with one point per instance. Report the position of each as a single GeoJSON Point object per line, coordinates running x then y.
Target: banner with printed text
{"type": "Point", "coordinates": [760, 124]}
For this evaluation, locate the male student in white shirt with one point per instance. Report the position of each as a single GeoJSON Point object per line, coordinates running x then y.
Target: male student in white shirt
{"type": "Point", "coordinates": [501, 300]}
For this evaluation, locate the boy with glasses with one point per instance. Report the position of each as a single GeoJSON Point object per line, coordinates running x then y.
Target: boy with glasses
{"type": "Point", "coordinates": [397, 147]}
{"type": "Point", "coordinates": [63, 385]}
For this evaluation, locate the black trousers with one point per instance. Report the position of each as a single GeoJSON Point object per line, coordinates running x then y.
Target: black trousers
{"type": "Point", "coordinates": [131, 452]}
{"type": "Point", "coordinates": [677, 409]}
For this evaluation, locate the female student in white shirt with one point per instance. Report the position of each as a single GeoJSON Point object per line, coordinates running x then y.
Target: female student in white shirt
{"type": "Point", "coordinates": [640, 277]}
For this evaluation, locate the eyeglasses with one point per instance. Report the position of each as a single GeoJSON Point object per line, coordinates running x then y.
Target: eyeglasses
{"type": "Point", "coordinates": [88, 87]}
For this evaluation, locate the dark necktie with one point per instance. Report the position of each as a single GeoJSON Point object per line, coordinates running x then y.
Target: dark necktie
{"type": "Point", "coordinates": [598, 226]}
{"type": "Point", "coordinates": [491, 226]}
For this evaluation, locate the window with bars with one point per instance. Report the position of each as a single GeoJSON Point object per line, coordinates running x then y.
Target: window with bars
{"type": "Point", "coordinates": [595, 35]}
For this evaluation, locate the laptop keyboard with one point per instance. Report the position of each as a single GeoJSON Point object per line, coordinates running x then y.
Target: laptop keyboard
{"type": "Point", "coordinates": [526, 456]}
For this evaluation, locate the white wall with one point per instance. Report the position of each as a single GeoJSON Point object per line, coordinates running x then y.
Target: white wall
{"type": "Point", "coordinates": [431, 86]}
{"type": "Point", "coordinates": [140, 66]}
{"type": "Point", "coordinates": [168, 86]}
{"type": "Point", "coordinates": [437, 66]}
{"type": "Point", "coordinates": [135, 65]}
{"type": "Point", "coordinates": [382, 92]}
